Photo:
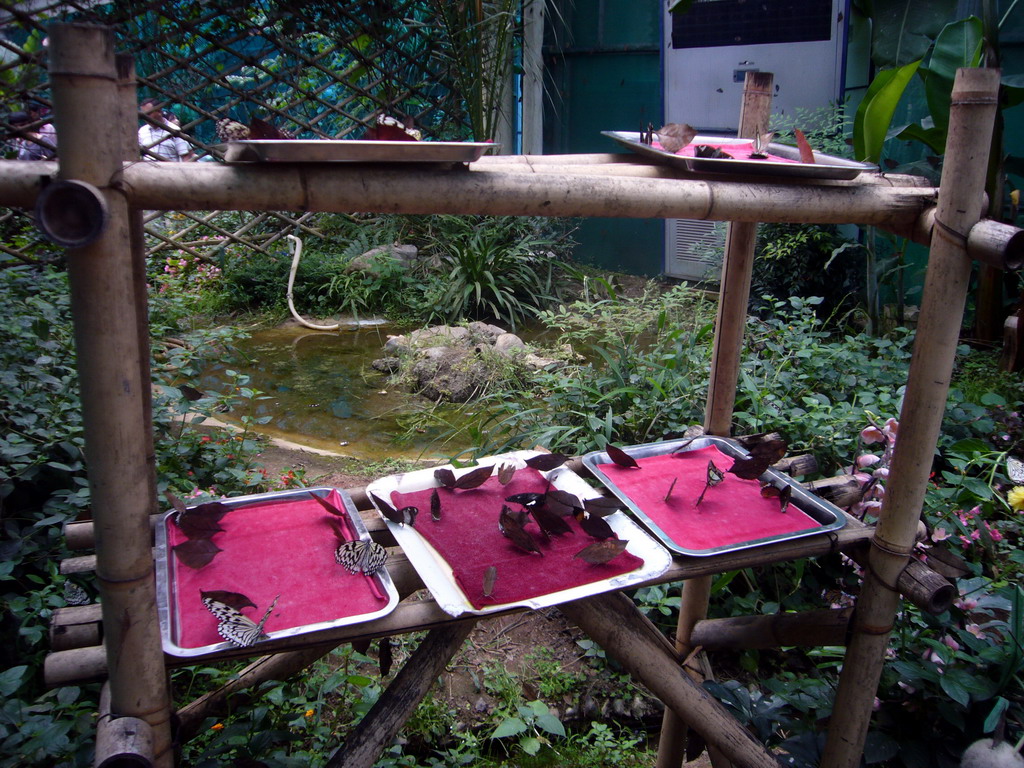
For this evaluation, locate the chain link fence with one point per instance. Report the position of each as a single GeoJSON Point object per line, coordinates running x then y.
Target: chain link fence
{"type": "Point", "coordinates": [316, 69]}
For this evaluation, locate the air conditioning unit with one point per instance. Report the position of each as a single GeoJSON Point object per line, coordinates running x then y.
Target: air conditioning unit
{"type": "Point", "coordinates": [708, 51]}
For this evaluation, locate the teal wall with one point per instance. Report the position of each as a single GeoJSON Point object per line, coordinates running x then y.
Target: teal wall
{"type": "Point", "coordinates": [603, 69]}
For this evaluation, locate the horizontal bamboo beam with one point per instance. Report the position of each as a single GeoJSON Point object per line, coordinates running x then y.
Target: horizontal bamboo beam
{"type": "Point", "coordinates": [346, 188]}
{"type": "Point", "coordinates": [822, 627]}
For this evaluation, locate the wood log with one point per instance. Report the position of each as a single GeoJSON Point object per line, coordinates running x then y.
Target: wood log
{"type": "Point", "coordinates": [377, 729]}
{"type": "Point", "coordinates": [121, 742]}
{"type": "Point", "coordinates": [972, 113]}
{"type": "Point", "coordinates": [842, 490]}
{"type": "Point", "coordinates": [826, 626]}
{"type": "Point", "coordinates": [76, 626]}
{"type": "Point", "coordinates": [113, 373]}
{"type": "Point", "coordinates": [614, 623]}
{"type": "Point", "coordinates": [997, 244]}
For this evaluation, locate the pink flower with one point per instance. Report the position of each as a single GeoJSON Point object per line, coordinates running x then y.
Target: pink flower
{"type": "Point", "coordinates": [891, 428]}
{"type": "Point", "coordinates": [940, 534]}
{"type": "Point", "coordinates": [872, 434]}
{"type": "Point", "coordinates": [881, 473]}
{"type": "Point", "coordinates": [867, 460]}
{"type": "Point", "coordinates": [950, 642]}
{"type": "Point", "coordinates": [976, 630]}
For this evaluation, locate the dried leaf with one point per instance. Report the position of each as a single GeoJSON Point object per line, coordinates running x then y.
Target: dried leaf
{"type": "Point", "coordinates": [435, 506]}
{"type": "Point", "coordinates": [511, 526]}
{"type": "Point", "coordinates": [235, 600]}
{"type": "Point", "coordinates": [475, 478]}
{"type": "Point", "coordinates": [595, 526]}
{"type": "Point", "coordinates": [761, 456]}
{"type": "Point", "coordinates": [195, 553]}
{"type": "Point", "coordinates": [620, 457]}
{"type": "Point", "coordinates": [490, 576]}
{"type": "Point", "coordinates": [546, 461]}
{"type": "Point", "coordinates": [339, 531]}
{"type": "Point", "coordinates": [602, 551]}
{"type": "Point", "coordinates": [602, 506]}
{"type": "Point", "coordinates": [327, 505]}
{"type": "Point", "coordinates": [202, 521]}
{"type": "Point", "coordinates": [505, 473]}
{"type": "Point", "coordinates": [445, 477]}
{"type": "Point", "coordinates": [806, 153]}
{"type": "Point", "coordinates": [550, 522]}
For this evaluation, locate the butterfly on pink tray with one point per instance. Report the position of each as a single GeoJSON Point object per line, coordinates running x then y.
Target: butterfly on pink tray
{"type": "Point", "coordinates": [388, 128]}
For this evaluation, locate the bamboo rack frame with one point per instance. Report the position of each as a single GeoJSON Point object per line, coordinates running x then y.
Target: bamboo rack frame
{"type": "Point", "coordinates": [108, 304]}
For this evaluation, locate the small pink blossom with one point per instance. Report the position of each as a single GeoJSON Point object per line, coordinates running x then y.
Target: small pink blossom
{"type": "Point", "coordinates": [976, 630]}
{"type": "Point", "coordinates": [881, 473]}
{"type": "Point", "coordinates": [940, 534]}
{"type": "Point", "coordinates": [950, 642]}
{"type": "Point", "coordinates": [867, 460]}
{"type": "Point", "coordinates": [871, 435]}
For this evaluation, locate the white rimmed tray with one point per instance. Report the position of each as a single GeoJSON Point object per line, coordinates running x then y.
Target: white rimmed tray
{"type": "Point", "coordinates": [437, 575]}
{"type": "Point", "coordinates": [167, 566]}
{"type": "Point", "coordinates": [352, 151]}
{"type": "Point", "coordinates": [824, 167]}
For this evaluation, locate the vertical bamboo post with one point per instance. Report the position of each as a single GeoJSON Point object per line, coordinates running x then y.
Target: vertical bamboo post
{"type": "Point", "coordinates": [960, 205]}
{"type": "Point", "coordinates": [733, 297]}
{"type": "Point", "coordinates": [103, 303]}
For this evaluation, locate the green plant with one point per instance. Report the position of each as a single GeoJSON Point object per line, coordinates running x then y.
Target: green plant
{"type": "Point", "coordinates": [553, 678]}
{"type": "Point", "coordinates": [530, 723]}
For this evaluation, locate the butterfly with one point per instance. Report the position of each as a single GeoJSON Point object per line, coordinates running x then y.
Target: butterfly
{"type": "Point", "coordinates": [675, 136]}
{"type": "Point", "coordinates": [230, 130]}
{"type": "Point", "coordinates": [761, 142]}
{"type": "Point", "coordinates": [715, 476]}
{"type": "Point", "coordinates": [361, 556]}
{"type": "Point", "coordinates": [388, 128]}
{"type": "Point", "coordinates": [233, 625]}
{"type": "Point", "coordinates": [1015, 470]}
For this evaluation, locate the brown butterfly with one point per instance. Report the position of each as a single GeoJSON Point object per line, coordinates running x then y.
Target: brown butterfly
{"type": "Point", "coordinates": [388, 128]}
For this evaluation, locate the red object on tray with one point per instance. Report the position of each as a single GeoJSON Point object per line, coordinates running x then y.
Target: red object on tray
{"type": "Point", "coordinates": [731, 512]}
{"type": "Point", "coordinates": [468, 539]}
{"type": "Point", "coordinates": [736, 150]}
{"type": "Point", "coordinates": [281, 548]}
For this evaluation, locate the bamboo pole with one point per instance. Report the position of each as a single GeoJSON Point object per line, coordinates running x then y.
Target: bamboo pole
{"type": "Point", "coordinates": [734, 295]}
{"type": "Point", "coordinates": [614, 623]}
{"type": "Point", "coordinates": [973, 108]}
{"type": "Point", "coordinates": [345, 188]}
{"type": "Point", "coordinates": [381, 724]}
{"type": "Point", "coordinates": [121, 742]}
{"type": "Point", "coordinates": [825, 626]}
{"type": "Point", "coordinates": [86, 106]}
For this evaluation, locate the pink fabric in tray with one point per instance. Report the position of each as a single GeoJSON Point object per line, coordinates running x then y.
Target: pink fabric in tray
{"type": "Point", "coordinates": [284, 548]}
{"type": "Point", "coordinates": [732, 512]}
{"type": "Point", "coordinates": [738, 151]}
{"type": "Point", "coordinates": [468, 539]}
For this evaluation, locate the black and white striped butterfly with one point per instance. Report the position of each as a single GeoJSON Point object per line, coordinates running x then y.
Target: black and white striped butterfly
{"type": "Point", "coordinates": [361, 556]}
{"type": "Point", "coordinates": [233, 625]}
{"type": "Point", "coordinates": [1015, 470]}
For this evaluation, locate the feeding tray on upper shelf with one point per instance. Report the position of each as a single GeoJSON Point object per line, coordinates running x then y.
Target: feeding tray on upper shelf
{"type": "Point", "coordinates": [352, 151]}
{"type": "Point", "coordinates": [272, 545]}
{"type": "Point", "coordinates": [782, 161]}
{"type": "Point", "coordinates": [663, 492]}
{"type": "Point", "coordinates": [454, 553]}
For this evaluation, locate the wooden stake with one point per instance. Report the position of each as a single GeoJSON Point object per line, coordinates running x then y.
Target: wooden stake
{"type": "Point", "coordinates": [103, 301]}
{"type": "Point", "coordinates": [826, 626]}
{"type": "Point", "coordinates": [381, 724]}
{"type": "Point", "coordinates": [614, 623]}
{"type": "Point", "coordinates": [974, 104]}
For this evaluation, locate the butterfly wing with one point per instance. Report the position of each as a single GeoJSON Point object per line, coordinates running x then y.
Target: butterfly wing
{"type": "Point", "coordinates": [360, 556]}
{"type": "Point", "coordinates": [1015, 470]}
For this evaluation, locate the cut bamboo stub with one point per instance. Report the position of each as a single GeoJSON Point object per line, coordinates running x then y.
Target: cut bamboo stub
{"type": "Point", "coordinates": [121, 742]}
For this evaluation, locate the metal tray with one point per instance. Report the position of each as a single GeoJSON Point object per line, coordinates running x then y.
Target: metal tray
{"type": "Point", "coordinates": [167, 573]}
{"type": "Point", "coordinates": [824, 167]}
{"type": "Point", "coordinates": [828, 516]}
{"type": "Point", "coordinates": [437, 574]}
{"type": "Point", "coordinates": [353, 151]}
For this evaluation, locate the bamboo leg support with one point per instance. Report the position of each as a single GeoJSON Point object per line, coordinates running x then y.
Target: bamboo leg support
{"type": "Point", "coordinates": [974, 104]}
{"type": "Point", "coordinates": [825, 626]}
{"type": "Point", "coordinates": [110, 369]}
{"type": "Point", "coordinates": [614, 623]}
{"type": "Point", "coordinates": [121, 742]}
{"type": "Point", "coordinates": [380, 725]}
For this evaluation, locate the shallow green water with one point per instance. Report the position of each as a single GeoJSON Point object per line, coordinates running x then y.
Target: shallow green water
{"type": "Point", "coordinates": [323, 393]}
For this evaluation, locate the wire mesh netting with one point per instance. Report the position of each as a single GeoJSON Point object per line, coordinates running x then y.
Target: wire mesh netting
{"type": "Point", "coordinates": [316, 69]}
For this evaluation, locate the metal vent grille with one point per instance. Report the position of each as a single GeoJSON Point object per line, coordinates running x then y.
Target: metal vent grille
{"type": "Point", "coordinates": [693, 249]}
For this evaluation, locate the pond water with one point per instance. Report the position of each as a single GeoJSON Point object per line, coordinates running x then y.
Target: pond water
{"type": "Point", "coordinates": [322, 393]}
